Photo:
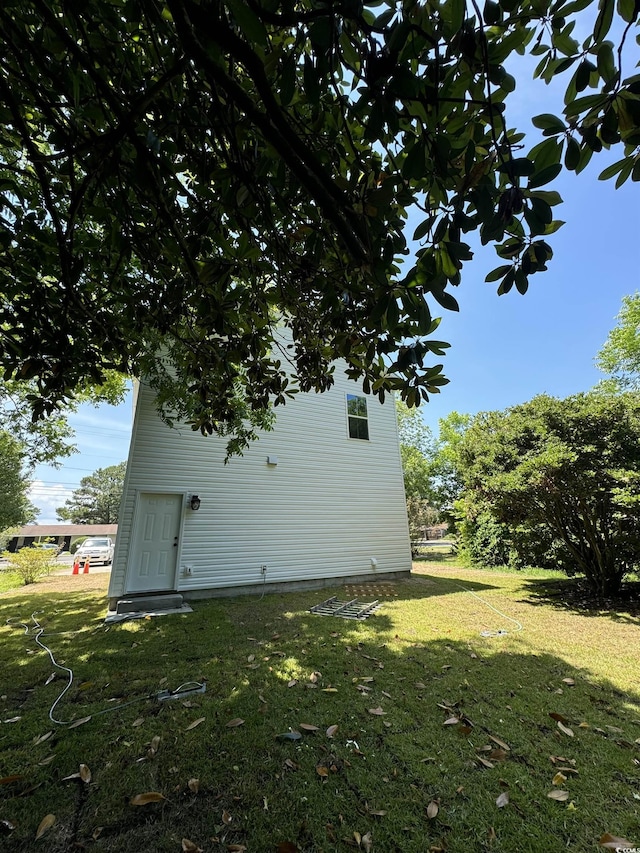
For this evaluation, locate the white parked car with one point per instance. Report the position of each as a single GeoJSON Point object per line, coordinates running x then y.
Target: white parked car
{"type": "Point", "coordinates": [96, 549]}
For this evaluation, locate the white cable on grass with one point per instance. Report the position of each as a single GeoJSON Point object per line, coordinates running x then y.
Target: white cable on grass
{"type": "Point", "coordinates": [56, 664]}
{"type": "Point", "coordinates": [40, 631]}
{"type": "Point", "coordinates": [500, 633]}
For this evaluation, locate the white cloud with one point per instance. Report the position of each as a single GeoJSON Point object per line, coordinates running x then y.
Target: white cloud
{"type": "Point", "coordinates": [48, 497]}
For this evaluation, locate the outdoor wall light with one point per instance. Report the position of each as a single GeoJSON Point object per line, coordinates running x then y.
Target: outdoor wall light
{"type": "Point", "coordinates": [195, 502]}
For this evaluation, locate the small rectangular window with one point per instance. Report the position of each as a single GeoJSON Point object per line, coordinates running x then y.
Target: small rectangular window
{"type": "Point", "coordinates": [357, 416]}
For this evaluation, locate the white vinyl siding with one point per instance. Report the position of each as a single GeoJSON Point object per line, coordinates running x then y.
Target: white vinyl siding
{"type": "Point", "coordinates": [324, 509]}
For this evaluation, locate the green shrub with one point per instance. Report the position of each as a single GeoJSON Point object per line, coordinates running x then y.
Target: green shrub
{"type": "Point", "coordinates": [30, 563]}
{"type": "Point", "coordinates": [75, 545]}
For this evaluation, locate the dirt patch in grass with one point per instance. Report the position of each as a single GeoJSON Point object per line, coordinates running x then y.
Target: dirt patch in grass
{"type": "Point", "coordinates": [370, 591]}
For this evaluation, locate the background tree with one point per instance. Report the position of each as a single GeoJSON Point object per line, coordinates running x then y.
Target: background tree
{"type": "Point", "coordinates": [416, 452]}
{"type": "Point", "coordinates": [15, 507]}
{"type": "Point", "coordinates": [620, 354]}
{"type": "Point", "coordinates": [254, 160]}
{"type": "Point", "coordinates": [445, 469]}
{"type": "Point", "coordinates": [560, 482]}
{"type": "Point", "coordinates": [50, 438]}
{"type": "Point", "coordinates": [97, 501]}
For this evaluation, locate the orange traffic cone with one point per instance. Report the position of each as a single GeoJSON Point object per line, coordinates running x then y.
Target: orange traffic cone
{"type": "Point", "coordinates": [85, 571]}
{"type": "Point", "coordinates": [76, 566]}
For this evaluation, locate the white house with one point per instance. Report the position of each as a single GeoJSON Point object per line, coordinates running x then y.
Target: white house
{"type": "Point", "coordinates": [318, 499]}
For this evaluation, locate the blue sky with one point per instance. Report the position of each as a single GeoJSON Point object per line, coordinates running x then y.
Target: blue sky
{"type": "Point", "coordinates": [504, 350]}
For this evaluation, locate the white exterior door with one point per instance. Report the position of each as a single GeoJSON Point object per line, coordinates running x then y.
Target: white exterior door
{"type": "Point", "coordinates": [154, 551]}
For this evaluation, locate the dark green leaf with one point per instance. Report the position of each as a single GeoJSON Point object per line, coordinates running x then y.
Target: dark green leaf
{"type": "Point", "coordinates": [544, 176]}
{"type": "Point", "coordinates": [612, 170]}
{"type": "Point", "coordinates": [422, 229]}
{"type": "Point", "coordinates": [547, 121]}
{"type": "Point", "coordinates": [414, 164]}
{"type": "Point", "coordinates": [572, 154]}
{"type": "Point", "coordinates": [604, 19]}
{"type": "Point", "coordinates": [605, 61]}
{"type": "Point", "coordinates": [498, 272]}
{"type": "Point", "coordinates": [507, 282]}
{"type": "Point", "coordinates": [547, 153]}
{"type": "Point", "coordinates": [628, 10]}
{"type": "Point", "coordinates": [249, 22]}
{"type": "Point", "coordinates": [446, 300]}
{"type": "Point", "coordinates": [491, 12]}
{"type": "Point", "coordinates": [519, 167]}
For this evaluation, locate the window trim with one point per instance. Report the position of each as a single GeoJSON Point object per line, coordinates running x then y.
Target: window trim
{"type": "Point", "coordinates": [365, 418]}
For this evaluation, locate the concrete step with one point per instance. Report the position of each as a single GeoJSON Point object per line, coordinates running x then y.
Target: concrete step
{"type": "Point", "coordinates": [159, 601]}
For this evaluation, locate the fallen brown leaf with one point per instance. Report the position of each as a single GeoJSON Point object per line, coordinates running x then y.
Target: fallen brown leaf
{"type": "Point", "coordinates": [613, 842]}
{"type": "Point", "coordinates": [193, 785]}
{"type": "Point", "coordinates": [498, 755]}
{"type": "Point", "coordinates": [80, 722]}
{"type": "Point", "coordinates": [190, 847]}
{"type": "Point", "coordinates": [138, 722]}
{"type": "Point", "coordinates": [367, 842]}
{"type": "Point", "coordinates": [321, 770]}
{"type": "Point", "coordinates": [292, 682]}
{"type": "Point", "coordinates": [226, 817]}
{"type": "Point", "coordinates": [377, 712]}
{"type": "Point", "coordinates": [565, 729]}
{"type": "Point", "coordinates": [236, 848]}
{"type": "Point", "coordinates": [286, 847]}
{"type": "Point", "coordinates": [233, 724]}
{"type": "Point", "coordinates": [432, 809]}
{"type": "Point", "coordinates": [559, 717]}
{"type": "Point", "coordinates": [307, 727]}
{"type": "Point", "coordinates": [7, 780]}
{"type": "Point", "coordinates": [568, 681]}
{"type": "Point", "coordinates": [45, 824]}
{"type": "Point", "coordinates": [503, 800]}
{"type": "Point", "coordinates": [331, 730]}
{"type": "Point", "coordinates": [148, 797]}
{"type": "Point", "coordinates": [452, 721]}
{"type": "Point", "coordinates": [557, 794]}
{"type": "Point", "coordinates": [378, 812]}
{"type": "Point", "coordinates": [85, 773]}
{"type": "Point", "coordinates": [195, 723]}
{"type": "Point", "coordinates": [500, 743]}
{"type": "Point", "coordinates": [42, 738]}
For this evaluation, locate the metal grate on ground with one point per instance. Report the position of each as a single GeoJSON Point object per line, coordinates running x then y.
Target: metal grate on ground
{"type": "Point", "coordinates": [352, 609]}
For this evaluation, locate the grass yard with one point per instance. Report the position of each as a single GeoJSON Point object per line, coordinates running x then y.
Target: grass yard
{"type": "Point", "coordinates": [410, 732]}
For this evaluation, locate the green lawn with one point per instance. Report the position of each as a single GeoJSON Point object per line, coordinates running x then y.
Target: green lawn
{"type": "Point", "coordinates": [444, 739]}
